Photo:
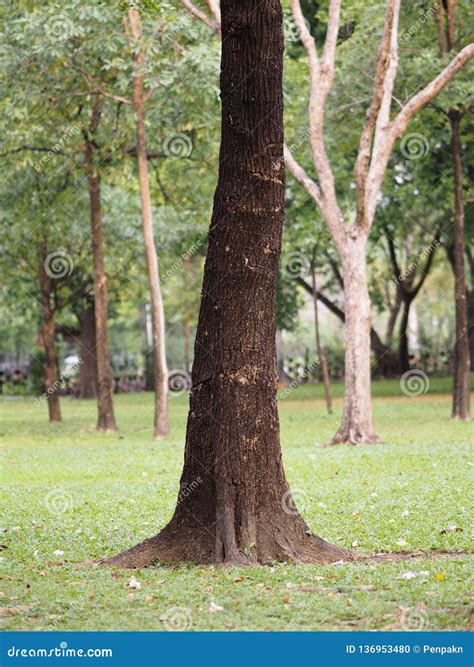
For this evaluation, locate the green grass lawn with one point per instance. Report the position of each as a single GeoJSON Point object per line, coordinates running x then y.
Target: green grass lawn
{"type": "Point", "coordinates": [69, 489]}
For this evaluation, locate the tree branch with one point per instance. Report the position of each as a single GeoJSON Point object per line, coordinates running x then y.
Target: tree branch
{"type": "Point", "coordinates": [202, 16]}
{"type": "Point", "coordinates": [301, 176]}
{"type": "Point", "coordinates": [388, 135]}
{"type": "Point", "coordinates": [321, 78]}
{"type": "Point", "coordinates": [384, 65]}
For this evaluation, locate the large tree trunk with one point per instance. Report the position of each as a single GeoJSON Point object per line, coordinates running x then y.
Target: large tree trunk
{"type": "Point", "coordinates": [403, 351]}
{"type": "Point", "coordinates": [160, 369]}
{"type": "Point", "coordinates": [356, 426]}
{"type": "Point", "coordinates": [105, 380]}
{"type": "Point", "coordinates": [235, 506]}
{"type": "Point", "coordinates": [88, 367]}
{"type": "Point", "coordinates": [48, 336]}
{"type": "Point", "coordinates": [461, 376]}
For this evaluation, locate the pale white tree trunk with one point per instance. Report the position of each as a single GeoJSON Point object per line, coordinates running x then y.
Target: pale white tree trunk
{"type": "Point", "coordinates": [378, 137]}
{"type": "Point", "coordinates": [356, 426]}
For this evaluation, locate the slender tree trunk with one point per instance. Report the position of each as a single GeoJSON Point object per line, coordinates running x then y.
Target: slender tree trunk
{"type": "Point", "coordinates": [356, 426]}
{"type": "Point", "coordinates": [394, 311]}
{"type": "Point", "coordinates": [461, 376]}
{"type": "Point", "coordinates": [88, 367]}
{"type": "Point", "coordinates": [48, 335]}
{"type": "Point", "coordinates": [321, 356]}
{"type": "Point", "coordinates": [105, 380]}
{"type": "Point", "coordinates": [403, 352]}
{"type": "Point", "coordinates": [235, 506]}
{"type": "Point", "coordinates": [470, 324]}
{"type": "Point", "coordinates": [160, 369]}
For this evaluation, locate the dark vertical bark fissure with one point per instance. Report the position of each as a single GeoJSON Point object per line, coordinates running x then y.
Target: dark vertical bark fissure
{"type": "Point", "coordinates": [48, 336]}
{"type": "Point", "coordinates": [461, 379]}
{"type": "Point", "coordinates": [105, 380]}
{"type": "Point", "coordinates": [235, 505]}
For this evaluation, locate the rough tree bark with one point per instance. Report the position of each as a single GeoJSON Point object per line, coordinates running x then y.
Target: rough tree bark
{"type": "Point", "coordinates": [461, 374]}
{"type": "Point", "coordinates": [48, 337]}
{"type": "Point", "coordinates": [319, 351]}
{"type": "Point", "coordinates": [88, 367]}
{"type": "Point", "coordinates": [235, 506]}
{"type": "Point", "coordinates": [160, 369]}
{"type": "Point", "coordinates": [105, 380]}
